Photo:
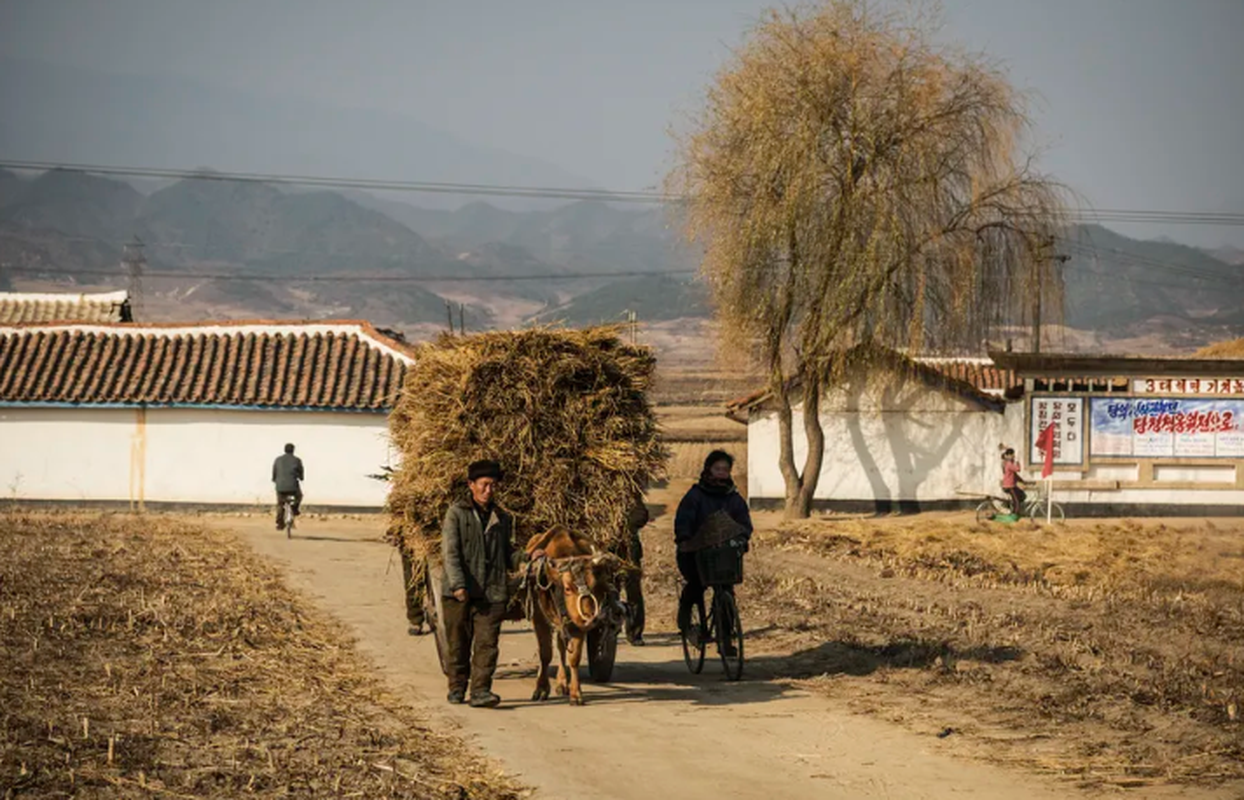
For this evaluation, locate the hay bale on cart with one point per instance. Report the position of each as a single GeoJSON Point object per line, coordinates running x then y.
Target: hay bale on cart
{"type": "Point", "coordinates": [564, 411]}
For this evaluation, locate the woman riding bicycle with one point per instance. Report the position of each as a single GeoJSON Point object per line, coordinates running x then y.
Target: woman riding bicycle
{"type": "Point", "coordinates": [713, 501]}
{"type": "Point", "coordinates": [1011, 480]}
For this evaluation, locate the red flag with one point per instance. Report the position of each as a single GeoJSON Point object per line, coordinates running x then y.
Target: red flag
{"type": "Point", "coordinates": [1045, 443]}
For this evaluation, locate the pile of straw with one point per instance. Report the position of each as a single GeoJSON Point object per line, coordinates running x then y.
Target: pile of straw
{"type": "Point", "coordinates": [565, 412]}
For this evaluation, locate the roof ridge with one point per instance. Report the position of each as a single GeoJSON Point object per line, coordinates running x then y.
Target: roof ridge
{"type": "Point", "coordinates": [137, 364]}
{"type": "Point", "coordinates": [358, 327]}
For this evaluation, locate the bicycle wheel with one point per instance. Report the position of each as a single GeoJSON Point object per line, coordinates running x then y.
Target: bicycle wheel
{"type": "Point", "coordinates": [987, 510]}
{"type": "Point", "coordinates": [289, 521]}
{"type": "Point", "coordinates": [1037, 512]}
{"type": "Point", "coordinates": [693, 642]}
{"type": "Point", "coordinates": [729, 633]}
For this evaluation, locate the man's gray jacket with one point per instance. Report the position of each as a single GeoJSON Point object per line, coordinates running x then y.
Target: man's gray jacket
{"type": "Point", "coordinates": [478, 558]}
{"type": "Point", "coordinates": [286, 472]}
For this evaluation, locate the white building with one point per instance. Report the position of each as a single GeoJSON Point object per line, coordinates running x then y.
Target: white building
{"type": "Point", "coordinates": [27, 307]}
{"type": "Point", "coordinates": [922, 435]}
{"type": "Point", "coordinates": [1132, 435]}
{"type": "Point", "coordinates": [154, 415]}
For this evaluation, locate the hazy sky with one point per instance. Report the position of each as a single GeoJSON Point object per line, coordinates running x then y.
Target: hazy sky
{"type": "Point", "coordinates": [1142, 100]}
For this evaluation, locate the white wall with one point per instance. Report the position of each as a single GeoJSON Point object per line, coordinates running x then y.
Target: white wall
{"type": "Point", "coordinates": [188, 455]}
{"type": "Point", "coordinates": [900, 441]}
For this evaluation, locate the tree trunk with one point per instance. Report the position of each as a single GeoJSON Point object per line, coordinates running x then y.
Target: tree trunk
{"type": "Point", "coordinates": [800, 488]}
{"type": "Point", "coordinates": [786, 443]}
{"type": "Point", "coordinates": [816, 450]}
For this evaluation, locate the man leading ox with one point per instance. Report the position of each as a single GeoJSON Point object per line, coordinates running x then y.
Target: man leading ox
{"type": "Point", "coordinates": [478, 550]}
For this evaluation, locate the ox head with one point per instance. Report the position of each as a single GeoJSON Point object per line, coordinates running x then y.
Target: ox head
{"type": "Point", "coordinates": [589, 586]}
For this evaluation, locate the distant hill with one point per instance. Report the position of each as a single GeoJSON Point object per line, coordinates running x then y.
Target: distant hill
{"type": "Point", "coordinates": [654, 299]}
{"type": "Point", "coordinates": [1116, 283]}
{"type": "Point", "coordinates": [74, 204]}
{"type": "Point", "coordinates": [68, 226]}
{"type": "Point", "coordinates": [255, 224]}
{"type": "Point", "coordinates": [588, 236]}
{"type": "Point", "coordinates": [10, 187]}
{"type": "Point", "coordinates": [162, 120]}
{"type": "Point", "coordinates": [66, 222]}
{"type": "Point", "coordinates": [1228, 254]}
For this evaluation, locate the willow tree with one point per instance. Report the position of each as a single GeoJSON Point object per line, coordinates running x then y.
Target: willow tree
{"type": "Point", "coordinates": [858, 189]}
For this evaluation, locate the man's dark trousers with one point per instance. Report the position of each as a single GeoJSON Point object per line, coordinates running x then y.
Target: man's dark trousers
{"type": "Point", "coordinates": [473, 630]}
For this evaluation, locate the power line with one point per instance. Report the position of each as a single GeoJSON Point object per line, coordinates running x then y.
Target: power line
{"type": "Point", "coordinates": [1119, 215]}
{"type": "Point", "coordinates": [236, 276]}
{"type": "Point", "coordinates": [610, 195]}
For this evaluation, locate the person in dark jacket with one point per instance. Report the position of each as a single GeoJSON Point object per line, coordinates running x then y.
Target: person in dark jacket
{"type": "Point", "coordinates": [478, 550]}
{"type": "Point", "coordinates": [633, 551]}
{"type": "Point", "coordinates": [714, 493]}
{"type": "Point", "coordinates": [286, 473]}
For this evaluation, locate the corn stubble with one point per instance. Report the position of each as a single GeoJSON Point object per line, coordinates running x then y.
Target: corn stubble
{"type": "Point", "coordinates": [146, 657]}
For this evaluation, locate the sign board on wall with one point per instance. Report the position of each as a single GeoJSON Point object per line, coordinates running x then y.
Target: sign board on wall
{"type": "Point", "coordinates": [1167, 427]}
{"type": "Point", "coordinates": [1219, 387]}
{"type": "Point", "coordinates": [1066, 414]}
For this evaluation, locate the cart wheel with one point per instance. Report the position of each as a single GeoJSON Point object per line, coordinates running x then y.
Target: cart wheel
{"type": "Point", "coordinates": [434, 612]}
{"type": "Point", "coordinates": [602, 651]}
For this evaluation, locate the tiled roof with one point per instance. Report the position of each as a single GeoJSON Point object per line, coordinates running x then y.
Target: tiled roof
{"type": "Point", "coordinates": [979, 372]}
{"type": "Point", "coordinates": [975, 376]}
{"type": "Point", "coordinates": [25, 307]}
{"type": "Point", "coordinates": [329, 366]}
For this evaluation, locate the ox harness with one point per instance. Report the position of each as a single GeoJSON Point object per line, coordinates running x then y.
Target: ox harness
{"type": "Point", "coordinates": [543, 575]}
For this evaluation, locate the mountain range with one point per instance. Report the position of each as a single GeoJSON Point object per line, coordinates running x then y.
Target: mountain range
{"type": "Point", "coordinates": [65, 114]}
{"type": "Point", "coordinates": [251, 249]}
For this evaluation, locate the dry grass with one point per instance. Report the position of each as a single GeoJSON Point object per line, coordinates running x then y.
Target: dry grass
{"type": "Point", "coordinates": [1114, 557]}
{"type": "Point", "coordinates": [1112, 653]}
{"type": "Point", "coordinates": [1232, 348]}
{"type": "Point", "coordinates": [565, 412]}
{"type": "Point", "coordinates": [148, 658]}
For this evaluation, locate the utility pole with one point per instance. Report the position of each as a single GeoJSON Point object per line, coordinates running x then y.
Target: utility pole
{"type": "Point", "coordinates": [462, 319]}
{"type": "Point", "coordinates": [449, 315]}
{"type": "Point", "coordinates": [135, 263]}
{"type": "Point", "coordinates": [1036, 300]}
{"type": "Point", "coordinates": [632, 325]}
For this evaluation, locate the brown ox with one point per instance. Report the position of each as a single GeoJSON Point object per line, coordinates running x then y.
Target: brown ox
{"type": "Point", "coordinates": [573, 591]}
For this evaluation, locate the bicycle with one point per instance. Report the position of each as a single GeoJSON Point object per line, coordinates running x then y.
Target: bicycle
{"type": "Point", "coordinates": [1035, 508]}
{"type": "Point", "coordinates": [720, 569]}
{"type": "Point", "coordinates": [287, 514]}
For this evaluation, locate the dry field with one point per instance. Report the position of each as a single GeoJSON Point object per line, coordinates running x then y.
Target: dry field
{"type": "Point", "coordinates": [155, 658]}
{"type": "Point", "coordinates": [1110, 654]}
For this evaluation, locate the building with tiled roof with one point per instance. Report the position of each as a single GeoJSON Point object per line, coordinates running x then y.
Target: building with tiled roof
{"type": "Point", "coordinates": [34, 307]}
{"type": "Point", "coordinates": [1131, 435]}
{"type": "Point", "coordinates": [195, 413]}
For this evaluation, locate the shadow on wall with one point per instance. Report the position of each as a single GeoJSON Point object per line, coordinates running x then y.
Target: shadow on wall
{"type": "Point", "coordinates": [913, 460]}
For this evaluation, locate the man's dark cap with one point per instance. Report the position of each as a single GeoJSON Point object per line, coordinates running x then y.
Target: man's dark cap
{"type": "Point", "coordinates": [484, 468]}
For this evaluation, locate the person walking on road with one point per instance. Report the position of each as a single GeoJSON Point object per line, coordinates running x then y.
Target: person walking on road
{"type": "Point", "coordinates": [287, 474]}
{"type": "Point", "coordinates": [414, 593]}
{"type": "Point", "coordinates": [478, 550]}
{"type": "Point", "coordinates": [634, 552]}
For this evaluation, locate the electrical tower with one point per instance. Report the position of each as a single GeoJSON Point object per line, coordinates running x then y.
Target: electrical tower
{"type": "Point", "coordinates": [135, 263]}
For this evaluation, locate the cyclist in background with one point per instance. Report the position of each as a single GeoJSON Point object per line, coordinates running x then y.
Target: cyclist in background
{"type": "Point", "coordinates": [1011, 480]}
{"type": "Point", "coordinates": [286, 474]}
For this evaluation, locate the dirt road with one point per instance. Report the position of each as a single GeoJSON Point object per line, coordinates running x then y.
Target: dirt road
{"type": "Point", "coordinates": [656, 731]}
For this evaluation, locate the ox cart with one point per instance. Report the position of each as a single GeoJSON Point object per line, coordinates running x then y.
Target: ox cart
{"type": "Point", "coordinates": [602, 641]}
